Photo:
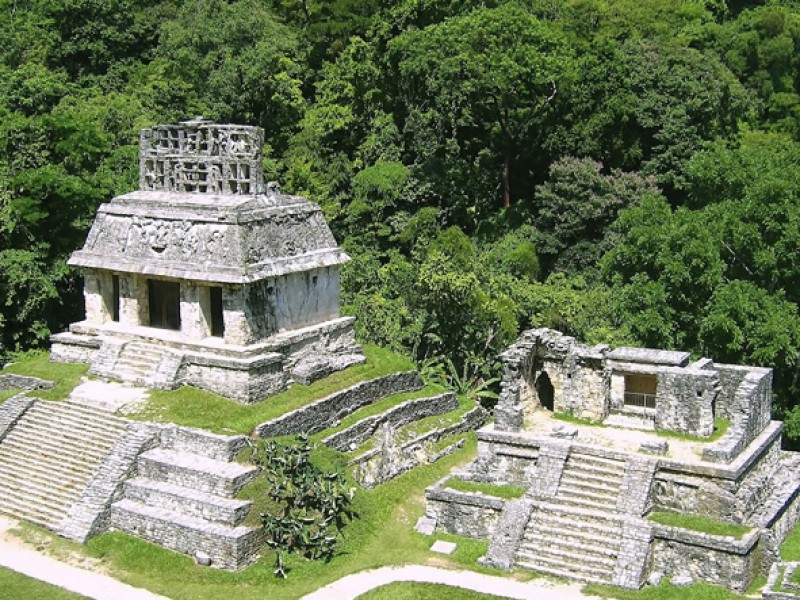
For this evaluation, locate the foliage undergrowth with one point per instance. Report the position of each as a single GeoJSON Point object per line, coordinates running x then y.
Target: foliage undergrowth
{"type": "Point", "coordinates": [701, 524]}
{"type": "Point", "coordinates": [507, 492]}
{"type": "Point", "coordinates": [408, 590]}
{"type": "Point", "coordinates": [37, 364]}
{"type": "Point", "coordinates": [197, 408]}
{"type": "Point", "coordinates": [15, 585]}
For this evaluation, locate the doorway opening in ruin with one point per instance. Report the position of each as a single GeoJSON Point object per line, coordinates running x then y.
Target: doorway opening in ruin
{"type": "Point", "coordinates": [115, 298]}
{"type": "Point", "coordinates": [640, 391]}
{"type": "Point", "coordinates": [165, 304]}
{"type": "Point", "coordinates": [544, 390]}
{"type": "Point", "coordinates": [217, 320]}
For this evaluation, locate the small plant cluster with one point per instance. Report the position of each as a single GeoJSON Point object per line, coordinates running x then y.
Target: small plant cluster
{"type": "Point", "coordinates": [309, 505]}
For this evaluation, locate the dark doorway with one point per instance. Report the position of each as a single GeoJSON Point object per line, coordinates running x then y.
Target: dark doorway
{"type": "Point", "coordinates": [115, 297]}
{"type": "Point", "coordinates": [544, 389]}
{"type": "Point", "coordinates": [217, 320]}
{"type": "Point", "coordinates": [165, 304]}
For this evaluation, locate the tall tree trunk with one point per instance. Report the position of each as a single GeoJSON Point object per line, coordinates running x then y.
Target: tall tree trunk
{"type": "Point", "coordinates": [507, 179]}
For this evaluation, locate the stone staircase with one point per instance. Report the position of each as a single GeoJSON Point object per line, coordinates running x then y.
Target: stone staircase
{"type": "Point", "coordinates": [184, 499]}
{"type": "Point", "coordinates": [138, 363]}
{"type": "Point", "coordinates": [49, 457]}
{"type": "Point", "coordinates": [577, 533]}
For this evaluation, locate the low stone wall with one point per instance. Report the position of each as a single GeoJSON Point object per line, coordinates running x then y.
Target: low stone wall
{"type": "Point", "coordinates": [329, 411]}
{"type": "Point", "coordinates": [780, 584]}
{"type": "Point", "coordinates": [781, 513]}
{"type": "Point", "coordinates": [200, 442]}
{"type": "Point", "coordinates": [463, 513]}
{"type": "Point", "coordinates": [9, 381]}
{"type": "Point", "coordinates": [723, 560]}
{"type": "Point", "coordinates": [391, 459]}
{"type": "Point", "coordinates": [397, 416]}
{"type": "Point", "coordinates": [73, 348]}
{"type": "Point", "coordinates": [244, 381]}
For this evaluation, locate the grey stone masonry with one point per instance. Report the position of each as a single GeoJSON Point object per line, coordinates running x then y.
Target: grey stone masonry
{"type": "Point", "coordinates": [722, 560]}
{"type": "Point", "coordinates": [196, 472]}
{"type": "Point", "coordinates": [50, 457]}
{"type": "Point", "coordinates": [508, 533]}
{"type": "Point", "coordinates": [781, 584]}
{"type": "Point", "coordinates": [634, 496]}
{"type": "Point", "coordinates": [463, 513]}
{"type": "Point", "coordinates": [633, 560]}
{"type": "Point", "coordinates": [12, 411]}
{"type": "Point", "coordinates": [182, 497]}
{"type": "Point", "coordinates": [397, 416]}
{"type": "Point", "coordinates": [329, 411]}
{"type": "Point", "coordinates": [548, 470]}
{"type": "Point", "coordinates": [9, 381]}
{"type": "Point", "coordinates": [88, 516]}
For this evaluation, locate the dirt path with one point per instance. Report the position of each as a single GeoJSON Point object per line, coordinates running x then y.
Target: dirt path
{"type": "Point", "coordinates": [352, 586]}
{"type": "Point", "coordinates": [16, 556]}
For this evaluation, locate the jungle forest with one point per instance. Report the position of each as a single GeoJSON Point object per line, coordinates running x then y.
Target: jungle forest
{"type": "Point", "coordinates": [625, 171]}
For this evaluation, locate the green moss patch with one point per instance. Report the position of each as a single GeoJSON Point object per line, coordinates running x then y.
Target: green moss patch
{"type": "Point", "coordinates": [408, 590]}
{"type": "Point", "coordinates": [720, 429]}
{"type": "Point", "coordinates": [37, 364]}
{"type": "Point", "coordinates": [663, 591]}
{"type": "Point", "coordinates": [6, 394]}
{"type": "Point", "coordinates": [16, 585]}
{"type": "Point", "coordinates": [701, 524]}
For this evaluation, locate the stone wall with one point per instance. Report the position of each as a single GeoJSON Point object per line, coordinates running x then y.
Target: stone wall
{"type": "Point", "coordinates": [723, 560]}
{"type": "Point", "coordinates": [330, 410]}
{"type": "Point", "coordinates": [684, 400]}
{"type": "Point", "coordinates": [397, 416]}
{"type": "Point", "coordinates": [12, 411]}
{"type": "Point", "coordinates": [244, 381]}
{"type": "Point", "coordinates": [462, 513]}
{"type": "Point", "coordinates": [9, 381]}
{"type": "Point", "coordinates": [749, 412]}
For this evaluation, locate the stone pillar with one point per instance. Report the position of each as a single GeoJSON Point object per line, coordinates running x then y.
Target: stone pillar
{"type": "Point", "coordinates": [134, 305]}
{"type": "Point", "coordinates": [93, 297]}
{"type": "Point", "coordinates": [194, 322]}
{"type": "Point", "coordinates": [234, 313]}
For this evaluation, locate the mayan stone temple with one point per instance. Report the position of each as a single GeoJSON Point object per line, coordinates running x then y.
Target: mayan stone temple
{"type": "Point", "coordinates": [206, 276]}
{"type": "Point", "coordinates": [593, 477]}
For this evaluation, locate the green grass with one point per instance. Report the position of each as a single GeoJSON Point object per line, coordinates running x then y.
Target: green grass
{"type": "Point", "coordinates": [382, 535]}
{"type": "Point", "coordinates": [197, 408]}
{"type": "Point", "coordinates": [790, 549]}
{"type": "Point", "coordinates": [701, 524]}
{"type": "Point", "coordinates": [720, 428]}
{"type": "Point", "coordinates": [408, 590]}
{"type": "Point", "coordinates": [507, 492]}
{"type": "Point", "coordinates": [37, 364]}
{"type": "Point", "coordinates": [6, 394]}
{"type": "Point", "coordinates": [15, 586]}
{"type": "Point", "coordinates": [664, 591]}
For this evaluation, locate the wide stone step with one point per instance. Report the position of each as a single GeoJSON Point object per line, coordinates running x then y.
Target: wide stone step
{"type": "Point", "coordinates": [228, 547]}
{"type": "Point", "coordinates": [557, 568]}
{"type": "Point", "coordinates": [603, 552]}
{"type": "Point", "coordinates": [75, 420]}
{"type": "Point", "coordinates": [581, 513]}
{"type": "Point", "coordinates": [37, 514]}
{"type": "Point", "coordinates": [568, 556]}
{"type": "Point", "coordinates": [188, 501]}
{"type": "Point", "coordinates": [38, 497]}
{"type": "Point", "coordinates": [582, 532]}
{"type": "Point", "coordinates": [31, 438]}
{"type": "Point", "coordinates": [600, 471]}
{"type": "Point", "coordinates": [592, 482]}
{"type": "Point", "coordinates": [73, 407]}
{"type": "Point", "coordinates": [568, 492]}
{"type": "Point", "coordinates": [586, 503]}
{"type": "Point", "coordinates": [192, 471]}
{"type": "Point", "coordinates": [583, 457]}
{"type": "Point", "coordinates": [53, 455]}
{"type": "Point", "coordinates": [52, 473]}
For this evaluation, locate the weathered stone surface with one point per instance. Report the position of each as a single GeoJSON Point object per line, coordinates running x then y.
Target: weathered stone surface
{"type": "Point", "coordinates": [329, 411]}
{"type": "Point", "coordinates": [9, 381]}
{"type": "Point", "coordinates": [508, 533]}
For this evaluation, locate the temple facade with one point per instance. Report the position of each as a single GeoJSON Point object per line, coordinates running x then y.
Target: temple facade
{"type": "Point", "coordinates": [208, 276]}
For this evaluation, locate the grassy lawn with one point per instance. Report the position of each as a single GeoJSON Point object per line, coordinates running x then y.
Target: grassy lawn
{"type": "Point", "coordinates": [6, 394]}
{"type": "Point", "coordinates": [408, 590]}
{"type": "Point", "coordinates": [720, 428]}
{"type": "Point", "coordinates": [15, 586]}
{"type": "Point", "coordinates": [381, 535]}
{"type": "Point", "coordinates": [508, 492]}
{"type": "Point", "coordinates": [196, 408]}
{"type": "Point", "coordinates": [701, 524]}
{"type": "Point", "coordinates": [37, 364]}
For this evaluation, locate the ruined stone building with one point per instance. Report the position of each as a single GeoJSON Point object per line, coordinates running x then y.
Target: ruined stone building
{"type": "Point", "coordinates": [208, 276]}
{"type": "Point", "coordinates": [591, 482]}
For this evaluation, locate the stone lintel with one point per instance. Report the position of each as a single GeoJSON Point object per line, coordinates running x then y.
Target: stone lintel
{"type": "Point", "coordinates": [650, 356]}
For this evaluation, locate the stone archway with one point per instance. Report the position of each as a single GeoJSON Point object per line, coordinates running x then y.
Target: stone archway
{"type": "Point", "coordinates": [545, 391]}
